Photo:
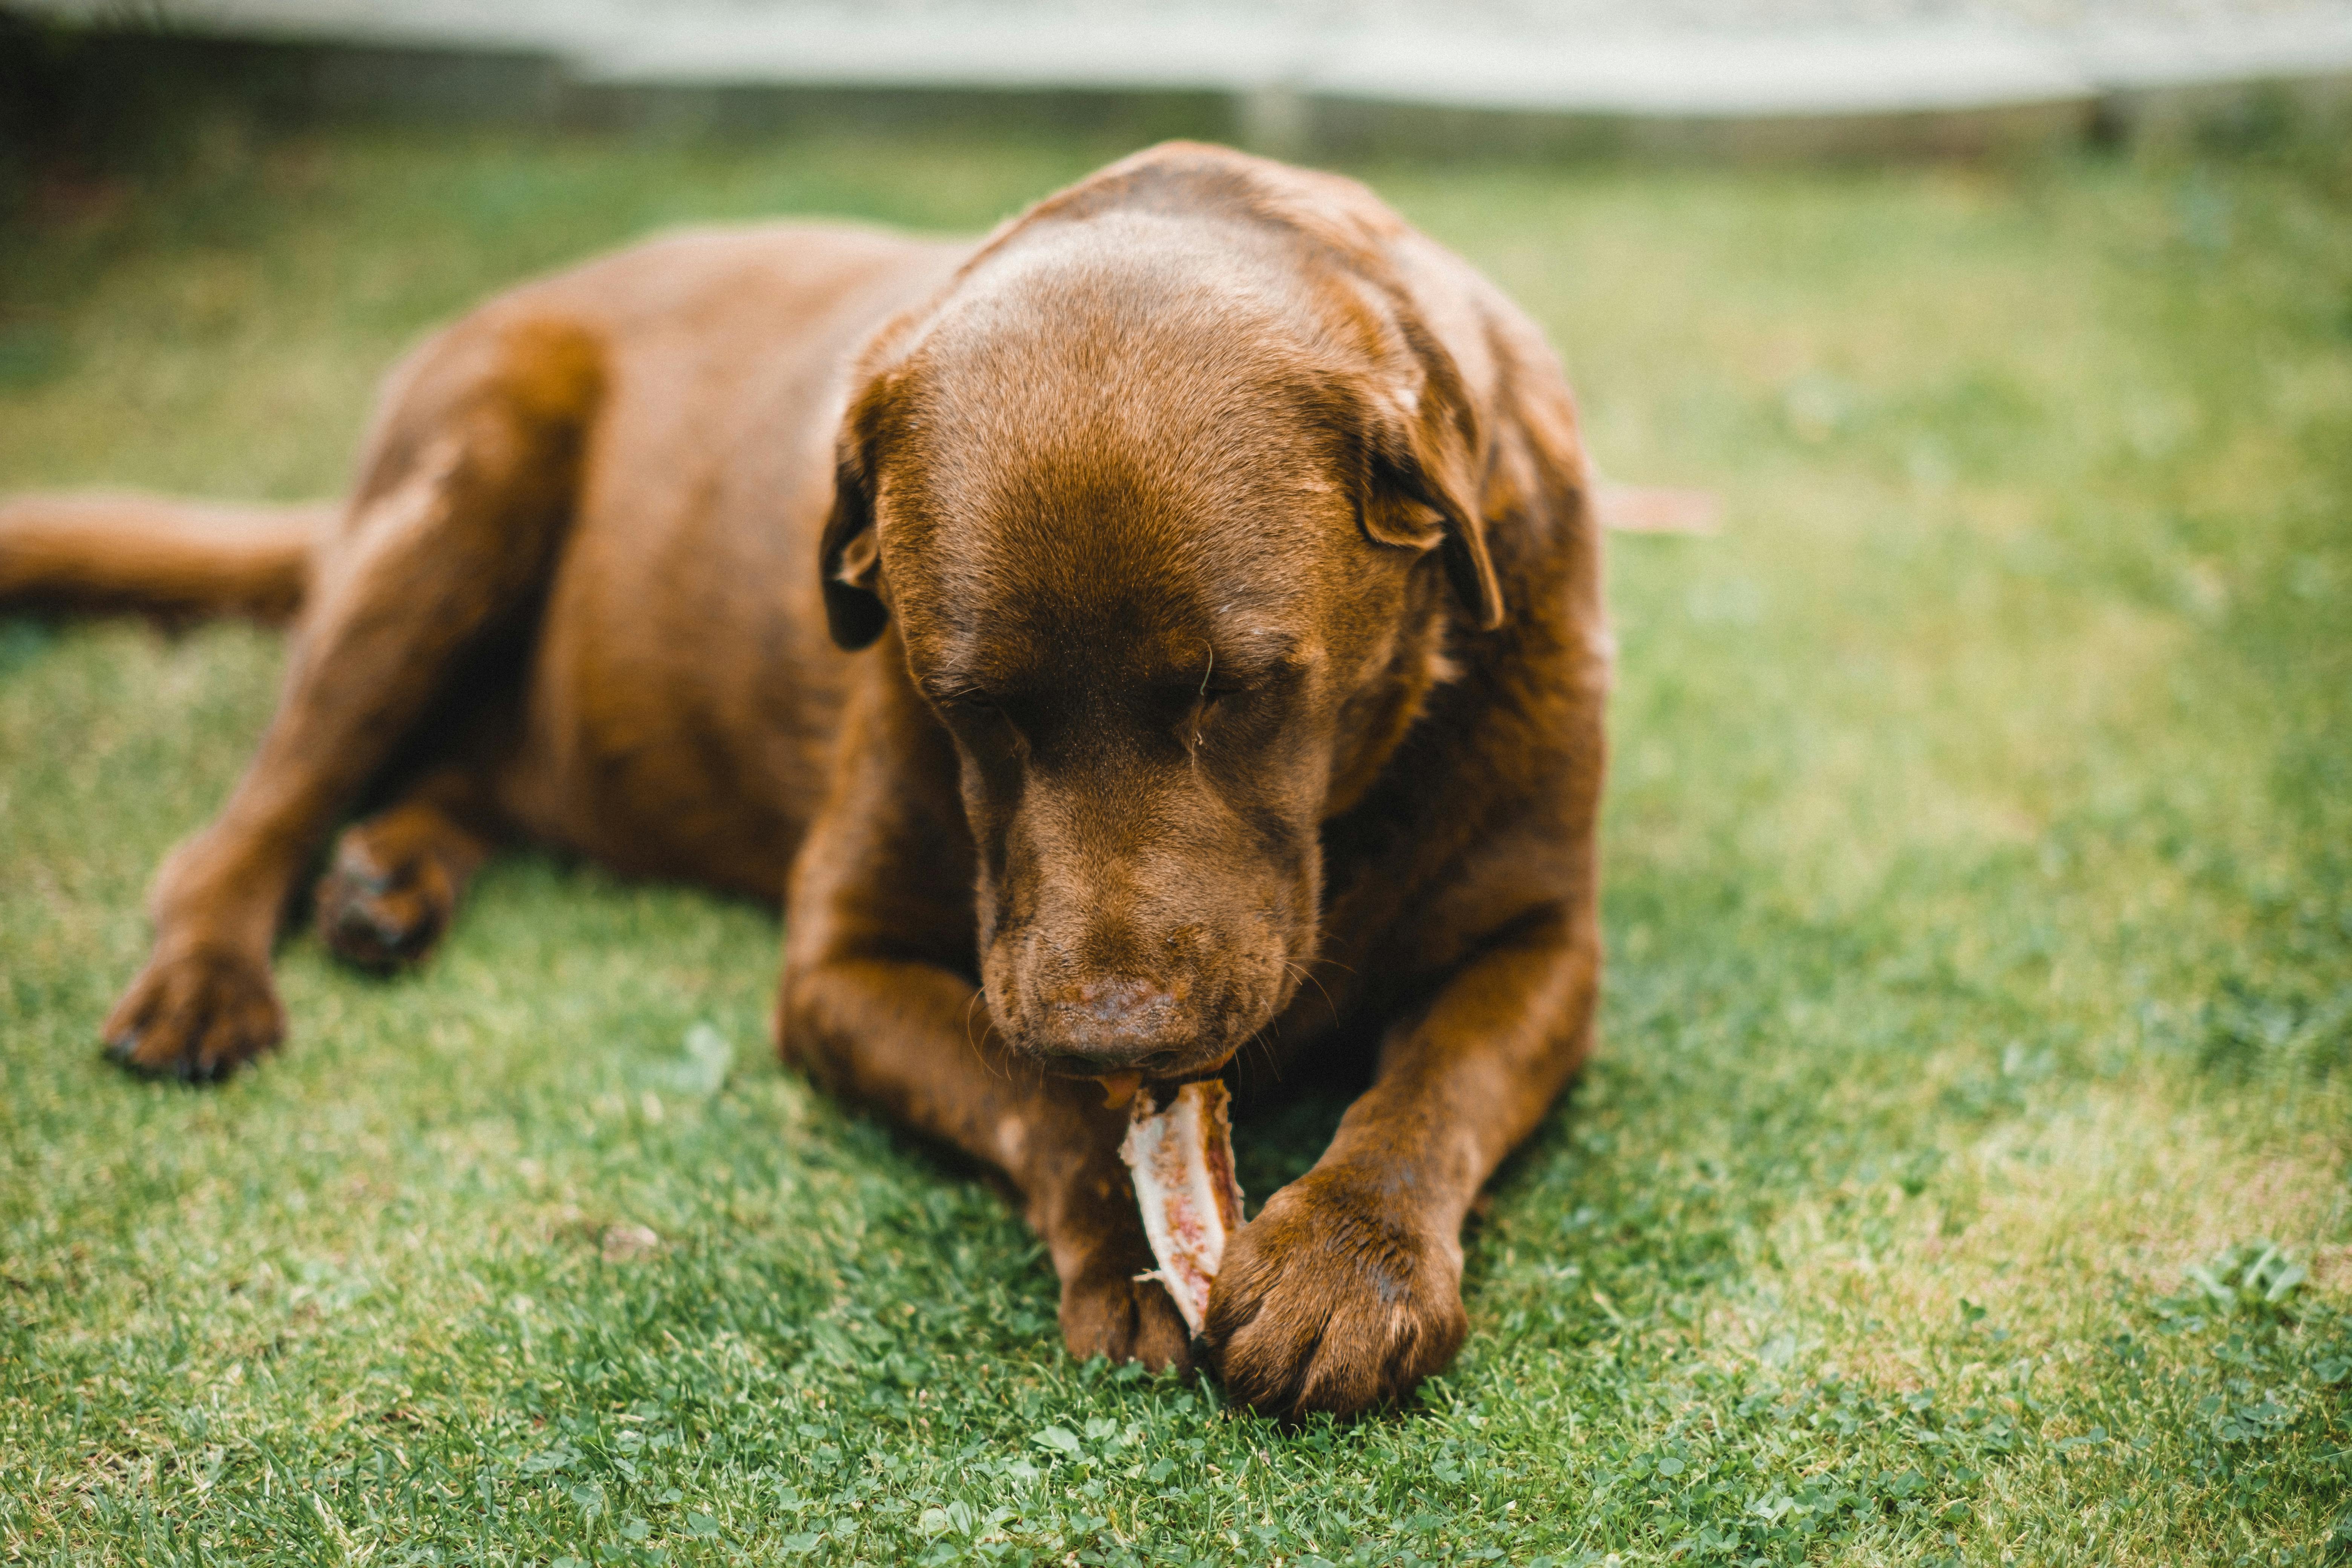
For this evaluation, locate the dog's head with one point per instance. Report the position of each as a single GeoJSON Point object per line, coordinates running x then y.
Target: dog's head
{"type": "Point", "coordinates": [1155, 494]}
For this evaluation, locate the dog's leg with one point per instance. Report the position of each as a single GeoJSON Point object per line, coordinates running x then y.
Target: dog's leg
{"type": "Point", "coordinates": [1346, 1288]}
{"type": "Point", "coordinates": [393, 883]}
{"type": "Point", "coordinates": [877, 1007]}
{"type": "Point", "coordinates": [466, 491]}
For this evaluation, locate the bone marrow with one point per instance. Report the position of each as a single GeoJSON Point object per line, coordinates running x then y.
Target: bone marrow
{"type": "Point", "coordinates": [1180, 1147]}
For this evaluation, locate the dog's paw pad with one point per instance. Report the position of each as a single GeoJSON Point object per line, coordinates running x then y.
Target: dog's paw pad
{"type": "Point", "coordinates": [383, 920]}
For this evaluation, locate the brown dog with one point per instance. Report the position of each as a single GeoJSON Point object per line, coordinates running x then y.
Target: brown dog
{"type": "Point", "coordinates": [1225, 563]}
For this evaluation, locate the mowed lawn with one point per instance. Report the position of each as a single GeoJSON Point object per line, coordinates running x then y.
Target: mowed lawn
{"type": "Point", "coordinates": [1964, 1175]}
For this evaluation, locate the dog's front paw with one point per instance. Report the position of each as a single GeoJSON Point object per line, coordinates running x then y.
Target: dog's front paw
{"type": "Point", "coordinates": [1334, 1297]}
{"type": "Point", "coordinates": [196, 1015]}
{"type": "Point", "coordinates": [1107, 1311]}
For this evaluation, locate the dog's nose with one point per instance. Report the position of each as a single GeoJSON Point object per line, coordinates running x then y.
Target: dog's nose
{"type": "Point", "coordinates": [1119, 1020]}
{"type": "Point", "coordinates": [1118, 1006]}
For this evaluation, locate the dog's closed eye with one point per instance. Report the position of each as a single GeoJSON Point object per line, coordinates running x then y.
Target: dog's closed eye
{"type": "Point", "coordinates": [987, 720]}
{"type": "Point", "coordinates": [953, 699]}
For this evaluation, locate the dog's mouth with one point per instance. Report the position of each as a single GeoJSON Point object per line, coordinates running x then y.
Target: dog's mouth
{"type": "Point", "coordinates": [1169, 1068]}
{"type": "Point", "coordinates": [1119, 1028]}
{"type": "Point", "coordinates": [1120, 1088]}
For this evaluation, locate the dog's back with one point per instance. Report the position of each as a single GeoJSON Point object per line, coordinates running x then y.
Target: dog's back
{"type": "Point", "coordinates": [700, 371]}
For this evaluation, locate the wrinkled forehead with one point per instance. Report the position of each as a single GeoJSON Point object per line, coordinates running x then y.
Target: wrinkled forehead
{"type": "Point", "coordinates": [1121, 490]}
{"type": "Point", "coordinates": [1098, 550]}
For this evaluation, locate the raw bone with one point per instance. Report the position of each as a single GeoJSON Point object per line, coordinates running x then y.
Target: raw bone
{"type": "Point", "coordinates": [1183, 1159]}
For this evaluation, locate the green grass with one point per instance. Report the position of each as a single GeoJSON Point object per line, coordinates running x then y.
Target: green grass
{"type": "Point", "coordinates": [1980, 899]}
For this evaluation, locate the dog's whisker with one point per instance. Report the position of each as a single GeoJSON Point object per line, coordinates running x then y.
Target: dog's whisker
{"type": "Point", "coordinates": [1266, 1047]}
{"type": "Point", "coordinates": [994, 1068]}
{"type": "Point", "coordinates": [1307, 974]}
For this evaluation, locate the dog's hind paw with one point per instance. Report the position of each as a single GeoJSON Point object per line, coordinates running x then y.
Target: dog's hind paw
{"type": "Point", "coordinates": [197, 1016]}
{"type": "Point", "coordinates": [382, 917]}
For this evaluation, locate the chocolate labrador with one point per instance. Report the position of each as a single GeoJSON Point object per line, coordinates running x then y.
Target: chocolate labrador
{"type": "Point", "coordinates": [1170, 625]}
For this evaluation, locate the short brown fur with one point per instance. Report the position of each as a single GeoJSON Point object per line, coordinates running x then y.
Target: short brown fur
{"type": "Point", "coordinates": [1224, 564]}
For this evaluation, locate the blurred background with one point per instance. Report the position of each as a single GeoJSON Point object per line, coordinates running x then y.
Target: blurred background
{"type": "Point", "coordinates": [1298, 78]}
{"type": "Point", "coordinates": [533, 131]}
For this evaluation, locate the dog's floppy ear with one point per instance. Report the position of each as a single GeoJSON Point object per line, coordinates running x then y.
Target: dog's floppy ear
{"type": "Point", "coordinates": [849, 561]}
{"type": "Point", "coordinates": [1422, 489]}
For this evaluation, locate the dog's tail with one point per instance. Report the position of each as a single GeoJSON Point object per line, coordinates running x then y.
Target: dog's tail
{"type": "Point", "coordinates": [121, 551]}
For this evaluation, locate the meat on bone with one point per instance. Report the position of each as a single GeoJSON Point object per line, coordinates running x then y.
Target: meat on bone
{"type": "Point", "coordinates": [1182, 1155]}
